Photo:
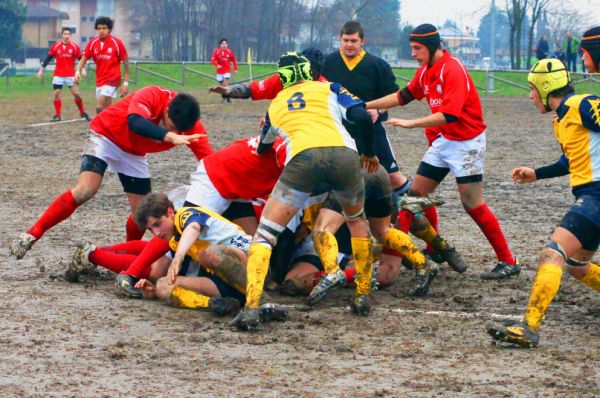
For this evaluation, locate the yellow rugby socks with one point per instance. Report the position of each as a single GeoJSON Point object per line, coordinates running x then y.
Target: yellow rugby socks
{"type": "Point", "coordinates": [257, 269]}
{"type": "Point", "coordinates": [544, 289]}
{"type": "Point", "coordinates": [181, 297]}
{"type": "Point", "coordinates": [326, 247]}
{"type": "Point", "coordinates": [401, 242]}
{"type": "Point", "coordinates": [361, 251]}
{"type": "Point", "coordinates": [592, 278]}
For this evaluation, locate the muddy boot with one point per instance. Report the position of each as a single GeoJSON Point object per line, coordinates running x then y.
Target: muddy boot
{"type": "Point", "coordinates": [423, 279]}
{"type": "Point", "coordinates": [80, 261]}
{"type": "Point", "coordinates": [361, 305]}
{"type": "Point", "coordinates": [502, 270]}
{"type": "Point", "coordinates": [246, 320]}
{"type": "Point", "coordinates": [449, 254]}
{"type": "Point", "coordinates": [327, 283]}
{"type": "Point", "coordinates": [416, 204]}
{"type": "Point", "coordinates": [515, 333]}
{"type": "Point", "coordinates": [223, 305]}
{"type": "Point", "coordinates": [272, 312]}
{"type": "Point", "coordinates": [21, 245]}
{"type": "Point", "coordinates": [125, 284]}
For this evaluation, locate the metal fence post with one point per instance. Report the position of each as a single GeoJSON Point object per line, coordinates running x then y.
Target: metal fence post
{"type": "Point", "coordinates": [183, 73]}
{"type": "Point", "coordinates": [135, 72]}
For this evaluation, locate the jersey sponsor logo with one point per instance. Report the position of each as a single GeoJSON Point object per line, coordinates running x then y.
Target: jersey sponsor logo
{"type": "Point", "coordinates": [239, 241]}
{"type": "Point", "coordinates": [439, 88]}
{"type": "Point", "coordinates": [145, 109]}
{"type": "Point", "coordinates": [184, 216]}
{"type": "Point", "coordinates": [109, 50]}
{"type": "Point", "coordinates": [435, 102]}
{"type": "Point", "coordinates": [253, 142]}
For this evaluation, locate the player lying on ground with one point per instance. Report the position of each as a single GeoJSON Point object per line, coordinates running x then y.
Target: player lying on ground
{"type": "Point", "coordinates": [576, 239]}
{"type": "Point", "coordinates": [214, 242]}
{"type": "Point", "coordinates": [120, 138]}
{"type": "Point", "coordinates": [456, 133]}
{"type": "Point", "coordinates": [320, 153]}
{"type": "Point", "coordinates": [65, 52]}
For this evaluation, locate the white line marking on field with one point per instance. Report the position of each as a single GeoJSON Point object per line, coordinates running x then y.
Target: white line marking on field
{"type": "Point", "coordinates": [451, 314]}
{"type": "Point", "coordinates": [61, 122]}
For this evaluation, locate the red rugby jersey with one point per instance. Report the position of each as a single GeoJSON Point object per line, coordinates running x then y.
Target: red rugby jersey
{"type": "Point", "coordinates": [267, 89]}
{"type": "Point", "coordinates": [151, 103]}
{"type": "Point", "coordinates": [239, 173]}
{"type": "Point", "coordinates": [449, 89]}
{"type": "Point", "coordinates": [65, 55]}
{"type": "Point", "coordinates": [107, 55]}
{"type": "Point", "coordinates": [221, 59]}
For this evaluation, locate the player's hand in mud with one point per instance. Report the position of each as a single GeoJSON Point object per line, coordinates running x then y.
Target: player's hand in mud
{"type": "Point", "coordinates": [371, 163]}
{"type": "Point", "coordinates": [524, 175]}
{"type": "Point", "coordinates": [174, 269]}
{"type": "Point", "coordinates": [179, 139]}
{"type": "Point", "coordinates": [218, 90]}
{"type": "Point", "coordinates": [148, 289]}
{"type": "Point", "coordinates": [404, 123]}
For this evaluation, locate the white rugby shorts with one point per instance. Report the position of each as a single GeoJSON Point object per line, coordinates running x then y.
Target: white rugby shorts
{"type": "Point", "coordinates": [107, 91]}
{"type": "Point", "coordinates": [63, 81]}
{"type": "Point", "coordinates": [117, 159]}
{"type": "Point", "coordinates": [463, 158]}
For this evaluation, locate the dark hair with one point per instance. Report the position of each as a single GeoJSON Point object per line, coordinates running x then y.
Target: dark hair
{"type": "Point", "coordinates": [223, 40]}
{"type": "Point", "coordinates": [104, 21]}
{"type": "Point", "coordinates": [562, 92]}
{"type": "Point", "coordinates": [183, 111]}
{"type": "Point", "coordinates": [152, 205]}
{"type": "Point", "coordinates": [66, 28]}
{"type": "Point", "coordinates": [317, 61]}
{"type": "Point", "coordinates": [352, 27]}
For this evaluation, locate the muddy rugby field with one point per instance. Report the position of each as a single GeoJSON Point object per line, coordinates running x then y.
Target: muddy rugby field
{"type": "Point", "coordinates": [82, 340]}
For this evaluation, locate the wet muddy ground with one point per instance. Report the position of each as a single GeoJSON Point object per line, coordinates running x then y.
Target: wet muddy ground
{"type": "Point", "coordinates": [61, 339]}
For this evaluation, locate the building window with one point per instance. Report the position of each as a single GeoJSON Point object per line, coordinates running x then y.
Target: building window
{"type": "Point", "coordinates": [83, 39]}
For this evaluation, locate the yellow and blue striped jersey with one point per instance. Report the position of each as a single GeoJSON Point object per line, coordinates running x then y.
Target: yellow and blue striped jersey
{"type": "Point", "coordinates": [309, 115]}
{"type": "Point", "coordinates": [215, 230]}
{"type": "Point", "coordinates": [577, 129]}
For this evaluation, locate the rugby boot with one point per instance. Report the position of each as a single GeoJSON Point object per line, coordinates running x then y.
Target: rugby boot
{"type": "Point", "coordinates": [21, 245]}
{"type": "Point", "coordinates": [80, 261]}
{"type": "Point", "coordinates": [55, 118]}
{"type": "Point", "coordinates": [85, 116]}
{"type": "Point", "coordinates": [416, 204]}
{"type": "Point", "coordinates": [502, 270]}
{"type": "Point", "coordinates": [449, 254]}
{"type": "Point", "coordinates": [327, 283]}
{"type": "Point", "coordinates": [246, 320]}
{"type": "Point", "coordinates": [516, 333]}
{"type": "Point", "coordinates": [361, 305]}
{"type": "Point", "coordinates": [223, 305]}
{"type": "Point", "coordinates": [272, 312]}
{"type": "Point", "coordinates": [125, 284]}
{"type": "Point", "coordinates": [423, 279]}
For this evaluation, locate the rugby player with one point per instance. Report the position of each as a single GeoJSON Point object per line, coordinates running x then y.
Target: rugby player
{"type": "Point", "coordinates": [121, 137]}
{"type": "Point", "coordinates": [107, 52]}
{"type": "Point", "coordinates": [65, 52]}
{"type": "Point", "coordinates": [320, 152]}
{"type": "Point", "coordinates": [576, 239]}
{"type": "Point", "coordinates": [222, 58]}
{"type": "Point", "coordinates": [456, 134]}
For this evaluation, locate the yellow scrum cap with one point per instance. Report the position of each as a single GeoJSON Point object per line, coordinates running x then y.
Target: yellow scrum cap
{"type": "Point", "coordinates": [548, 75]}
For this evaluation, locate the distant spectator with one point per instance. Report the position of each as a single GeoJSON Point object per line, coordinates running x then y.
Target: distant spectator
{"type": "Point", "coordinates": [571, 45]}
{"type": "Point", "coordinates": [560, 55]}
{"type": "Point", "coordinates": [542, 48]}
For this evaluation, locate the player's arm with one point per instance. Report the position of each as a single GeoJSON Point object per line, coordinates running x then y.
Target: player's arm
{"type": "Point", "coordinates": [436, 119]}
{"type": "Point", "coordinates": [80, 66]}
{"type": "Point", "coordinates": [148, 289]}
{"type": "Point", "coordinates": [125, 85]}
{"type": "Point", "coordinates": [44, 64]}
{"type": "Point", "coordinates": [145, 128]}
{"type": "Point", "coordinates": [524, 175]}
{"type": "Point", "coordinates": [190, 235]}
{"type": "Point", "coordinates": [267, 136]}
{"type": "Point", "coordinates": [238, 90]}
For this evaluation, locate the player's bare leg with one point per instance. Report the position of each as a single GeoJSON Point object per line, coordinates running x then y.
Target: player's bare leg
{"type": "Point", "coordinates": [102, 103]}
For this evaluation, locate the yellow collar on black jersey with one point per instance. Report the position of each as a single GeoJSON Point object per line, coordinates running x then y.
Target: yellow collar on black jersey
{"type": "Point", "coordinates": [351, 63]}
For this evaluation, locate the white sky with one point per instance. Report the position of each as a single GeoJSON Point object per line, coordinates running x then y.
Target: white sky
{"type": "Point", "coordinates": [466, 12]}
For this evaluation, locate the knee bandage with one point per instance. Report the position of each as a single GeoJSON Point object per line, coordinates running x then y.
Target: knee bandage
{"type": "Point", "coordinates": [268, 232]}
{"type": "Point", "coordinates": [556, 248]}
{"type": "Point", "coordinates": [353, 217]}
{"type": "Point", "coordinates": [577, 263]}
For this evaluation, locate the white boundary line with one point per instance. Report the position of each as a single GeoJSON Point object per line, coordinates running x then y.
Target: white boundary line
{"type": "Point", "coordinates": [61, 122]}
{"type": "Point", "coordinates": [451, 314]}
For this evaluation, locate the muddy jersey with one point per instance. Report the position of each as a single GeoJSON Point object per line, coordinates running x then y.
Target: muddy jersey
{"type": "Point", "coordinates": [577, 129]}
{"type": "Point", "coordinates": [65, 55]}
{"type": "Point", "coordinates": [151, 103]}
{"type": "Point", "coordinates": [107, 54]}
{"type": "Point", "coordinates": [237, 172]}
{"type": "Point", "coordinates": [448, 88]}
{"type": "Point", "coordinates": [309, 115]}
{"type": "Point", "coordinates": [214, 230]}
{"type": "Point", "coordinates": [268, 88]}
{"type": "Point", "coordinates": [222, 60]}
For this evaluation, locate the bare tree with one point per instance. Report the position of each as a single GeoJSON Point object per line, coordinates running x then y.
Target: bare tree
{"type": "Point", "coordinates": [536, 7]}
{"type": "Point", "coordinates": [515, 9]}
{"type": "Point", "coordinates": [563, 17]}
